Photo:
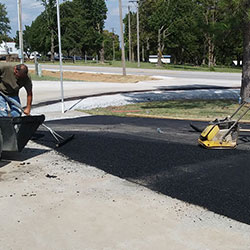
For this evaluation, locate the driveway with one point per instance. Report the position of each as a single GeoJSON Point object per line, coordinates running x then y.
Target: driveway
{"type": "Point", "coordinates": [164, 156]}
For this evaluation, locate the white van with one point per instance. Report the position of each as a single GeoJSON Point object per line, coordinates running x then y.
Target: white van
{"type": "Point", "coordinates": [164, 59]}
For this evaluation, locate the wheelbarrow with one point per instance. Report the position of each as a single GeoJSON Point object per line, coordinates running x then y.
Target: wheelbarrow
{"type": "Point", "coordinates": [15, 132]}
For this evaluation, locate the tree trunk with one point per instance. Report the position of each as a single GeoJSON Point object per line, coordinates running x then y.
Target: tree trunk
{"type": "Point", "coordinates": [133, 54]}
{"type": "Point", "coordinates": [147, 49]}
{"type": "Point", "coordinates": [102, 53]}
{"type": "Point", "coordinates": [204, 54]}
{"type": "Point", "coordinates": [52, 48]}
{"type": "Point", "coordinates": [211, 58]}
{"type": "Point", "coordinates": [245, 82]}
{"type": "Point", "coordinates": [159, 48]}
{"type": "Point", "coordinates": [143, 53]}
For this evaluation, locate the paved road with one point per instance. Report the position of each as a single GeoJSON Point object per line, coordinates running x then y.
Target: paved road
{"type": "Point", "coordinates": [162, 155]}
{"type": "Point", "coordinates": [166, 73]}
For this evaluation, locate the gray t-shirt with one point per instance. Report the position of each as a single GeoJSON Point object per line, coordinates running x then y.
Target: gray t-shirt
{"type": "Point", "coordinates": [9, 85]}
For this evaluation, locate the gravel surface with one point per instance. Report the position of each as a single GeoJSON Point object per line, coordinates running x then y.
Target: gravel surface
{"type": "Point", "coordinates": [129, 98]}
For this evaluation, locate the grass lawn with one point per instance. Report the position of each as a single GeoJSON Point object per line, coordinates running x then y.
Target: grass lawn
{"type": "Point", "coordinates": [35, 77]}
{"type": "Point", "coordinates": [186, 109]}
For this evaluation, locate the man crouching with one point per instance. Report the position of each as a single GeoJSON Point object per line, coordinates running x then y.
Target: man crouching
{"type": "Point", "coordinates": [12, 79]}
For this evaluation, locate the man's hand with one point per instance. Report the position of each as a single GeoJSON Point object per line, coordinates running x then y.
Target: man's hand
{"type": "Point", "coordinates": [26, 111]}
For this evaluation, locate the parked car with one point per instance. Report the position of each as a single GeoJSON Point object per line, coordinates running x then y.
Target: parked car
{"type": "Point", "coordinates": [68, 58]}
{"type": "Point", "coordinates": [78, 58]}
{"type": "Point", "coordinates": [57, 58]}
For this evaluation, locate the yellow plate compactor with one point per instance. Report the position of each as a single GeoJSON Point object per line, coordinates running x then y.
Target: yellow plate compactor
{"type": "Point", "coordinates": [223, 134]}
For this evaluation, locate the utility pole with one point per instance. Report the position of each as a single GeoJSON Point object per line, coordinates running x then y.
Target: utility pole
{"type": "Point", "coordinates": [60, 53]}
{"type": "Point", "coordinates": [138, 31]}
{"type": "Point", "coordinates": [122, 39]}
{"type": "Point", "coordinates": [129, 34]}
{"type": "Point", "coordinates": [20, 29]}
{"type": "Point", "coordinates": [138, 37]}
{"type": "Point", "coordinates": [113, 36]}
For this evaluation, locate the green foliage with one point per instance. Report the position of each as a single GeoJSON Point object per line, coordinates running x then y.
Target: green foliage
{"type": "Point", "coordinates": [37, 36]}
{"type": "Point", "coordinates": [89, 15]}
{"type": "Point", "coordinates": [133, 32]}
{"type": "Point", "coordinates": [185, 109]}
{"type": "Point", "coordinates": [82, 23]}
{"type": "Point", "coordinates": [4, 23]}
{"type": "Point", "coordinates": [111, 41]}
{"type": "Point", "coordinates": [195, 32]}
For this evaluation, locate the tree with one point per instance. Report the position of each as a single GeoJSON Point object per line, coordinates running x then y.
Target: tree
{"type": "Point", "coordinates": [245, 84]}
{"type": "Point", "coordinates": [4, 23]}
{"type": "Point", "coordinates": [209, 13]}
{"type": "Point", "coordinates": [133, 34]}
{"type": "Point", "coordinates": [239, 11]}
{"type": "Point", "coordinates": [111, 45]}
{"type": "Point", "coordinates": [71, 35]}
{"type": "Point", "coordinates": [91, 15]}
{"type": "Point", "coordinates": [37, 37]}
{"type": "Point", "coordinates": [192, 31]}
{"type": "Point", "coordinates": [50, 13]}
{"type": "Point", "coordinates": [161, 22]}
{"type": "Point", "coordinates": [82, 23]}
{"type": "Point", "coordinates": [166, 21]}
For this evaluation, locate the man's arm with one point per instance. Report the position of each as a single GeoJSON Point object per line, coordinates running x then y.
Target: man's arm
{"type": "Point", "coordinates": [29, 102]}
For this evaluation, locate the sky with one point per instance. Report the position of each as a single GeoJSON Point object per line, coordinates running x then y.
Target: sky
{"type": "Point", "coordinates": [33, 8]}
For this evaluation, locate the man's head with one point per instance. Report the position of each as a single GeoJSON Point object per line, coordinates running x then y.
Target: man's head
{"type": "Point", "coordinates": [21, 71]}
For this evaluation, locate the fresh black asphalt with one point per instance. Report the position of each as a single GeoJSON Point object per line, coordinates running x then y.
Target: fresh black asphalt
{"type": "Point", "coordinates": [164, 156]}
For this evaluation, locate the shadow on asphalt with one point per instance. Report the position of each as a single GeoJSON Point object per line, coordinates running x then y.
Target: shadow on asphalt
{"type": "Point", "coordinates": [170, 163]}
